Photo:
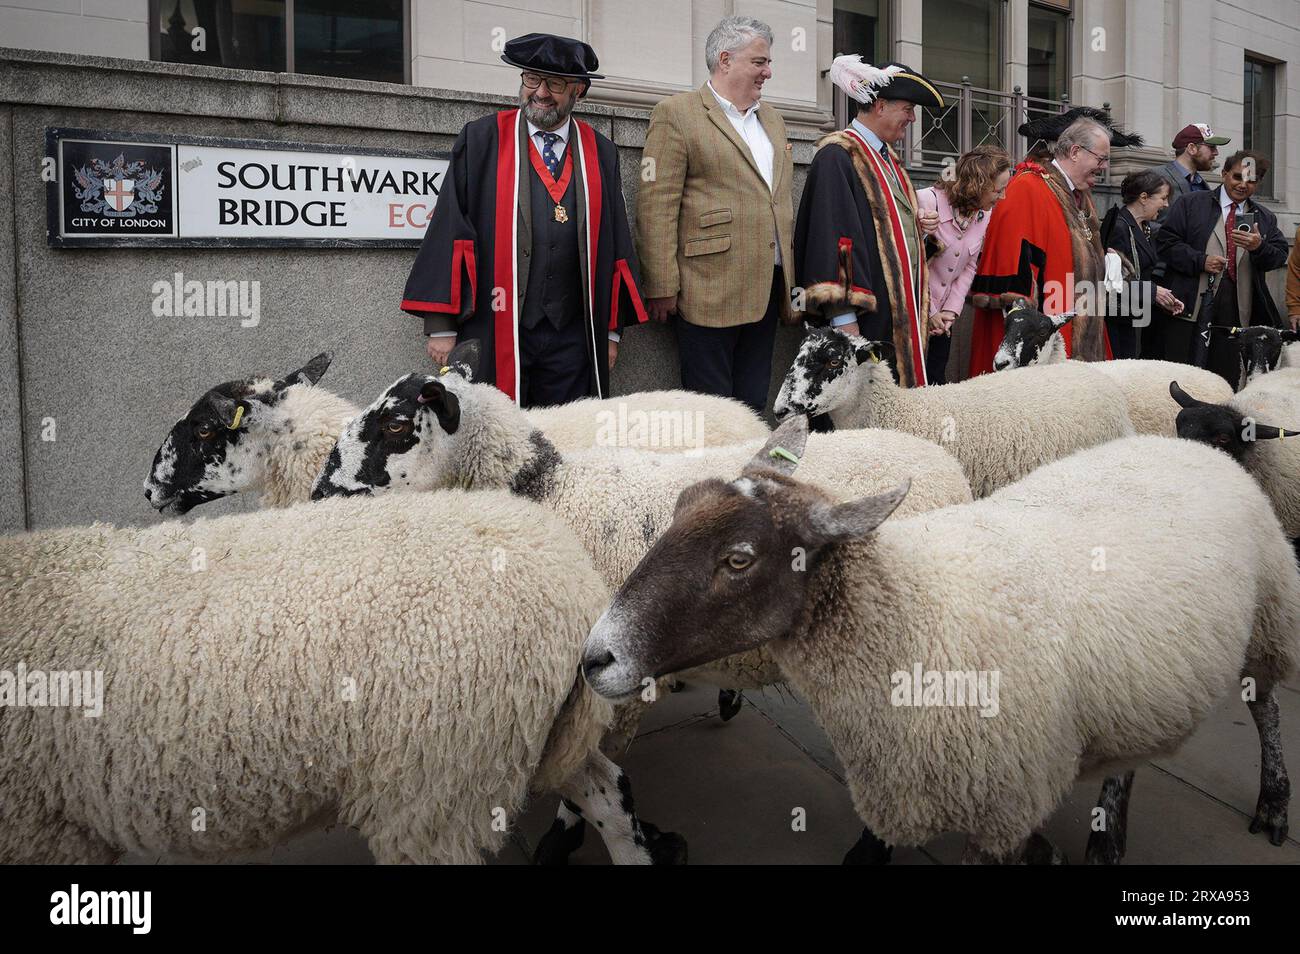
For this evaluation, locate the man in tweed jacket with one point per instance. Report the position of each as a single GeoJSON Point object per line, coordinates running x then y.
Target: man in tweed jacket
{"type": "Point", "coordinates": [715, 218]}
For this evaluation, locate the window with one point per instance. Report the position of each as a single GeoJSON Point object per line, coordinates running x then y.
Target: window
{"type": "Point", "coordinates": [1259, 121]}
{"type": "Point", "coordinates": [960, 38]}
{"type": "Point", "coordinates": [860, 26]}
{"type": "Point", "coordinates": [1049, 74]}
{"type": "Point", "coordinates": [323, 37]}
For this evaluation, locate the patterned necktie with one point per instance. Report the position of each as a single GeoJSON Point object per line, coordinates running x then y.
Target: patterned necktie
{"type": "Point", "coordinates": [1229, 226]}
{"type": "Point", "coordinates": [549, 157]}
{"type": "Point", "coordinates": [889, 166]}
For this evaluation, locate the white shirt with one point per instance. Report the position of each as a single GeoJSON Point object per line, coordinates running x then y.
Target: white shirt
{"type": "Point", "coordinates": [1068, 180]}
{"type": "Point", "coordinates": [1225, 201]}
{"type": "Point", "coordinates": [535, 134]}
{"type": "Point", "coordinates": [751, 131]}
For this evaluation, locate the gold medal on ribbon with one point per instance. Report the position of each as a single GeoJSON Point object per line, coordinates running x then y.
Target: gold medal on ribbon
{"type": "Point", "coordinates": [561, 215]}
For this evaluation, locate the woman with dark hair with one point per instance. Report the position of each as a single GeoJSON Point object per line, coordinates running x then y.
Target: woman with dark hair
{"type": "Point", "coordinates": [963, 201]}
{"type": "Point", "coordinates": [1127, 232]}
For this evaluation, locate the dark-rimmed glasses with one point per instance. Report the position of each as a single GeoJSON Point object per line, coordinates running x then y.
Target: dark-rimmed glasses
{"type": "Point", "coordinates": [555, 84]}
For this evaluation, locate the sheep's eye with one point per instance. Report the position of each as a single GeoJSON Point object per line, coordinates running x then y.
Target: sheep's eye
{"type": "Point", "coordinates": [834, 363]}
{"type": "Point", "coordinates": [739, 561]}
{"type": "Point", "coordinates": [397, 427]}
{"type": "Point", "coordinates": [204, 432]}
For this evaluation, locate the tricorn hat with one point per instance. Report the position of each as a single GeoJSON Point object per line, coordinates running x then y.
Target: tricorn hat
{"type": "Point", "coordinates": [867, 83]}
{"type": "Point", "coordinates": [1048, 128]}
{"type": "Point", "coordinates": [553, 55]}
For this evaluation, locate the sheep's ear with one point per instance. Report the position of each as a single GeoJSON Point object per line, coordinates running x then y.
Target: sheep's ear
{"type": "Point", "coordinates": [1289, 335]}
{"type": "Point", "coordinates": [853, 521]}
{"type": "Point", "coordinates": [873, 351]}
{"type": "Point", "coordinates": [784, 448]}
{"type": "Point", "coordinates": [1267, 432]}
{"type": "Point", "coordinates": [227, 410]}
{"type": "Point", "coordinates": [464, 359]}
{"type": "Point", "coordinates": [443, 403]}
{"type": "Point", "coordinates": [1061, 320]}
{"type": "Point", "coordinates": [1182, 397]}
{"type": "Point", "coordinates": [309, 373]}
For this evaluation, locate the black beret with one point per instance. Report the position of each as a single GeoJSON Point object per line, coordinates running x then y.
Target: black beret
{"type": "Point", "coordinates": [554, 55]}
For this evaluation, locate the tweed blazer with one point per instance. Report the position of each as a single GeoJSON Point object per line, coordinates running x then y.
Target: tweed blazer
{"type": "Point", "coordinates": [707, 225]}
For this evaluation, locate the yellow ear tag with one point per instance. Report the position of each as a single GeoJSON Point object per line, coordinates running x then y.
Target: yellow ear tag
{"type": "Point", "coordinates": [874, 358]}
{"type": "Point", "coordinates": [239, 416]}
{"type": "Point", "coordinates": [783, 454]}
{"type": "Point", "coordinates": [443, 370]}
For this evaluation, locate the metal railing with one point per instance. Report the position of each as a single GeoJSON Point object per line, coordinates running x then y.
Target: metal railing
{"type": "Point", "coordinates": [973, 117]}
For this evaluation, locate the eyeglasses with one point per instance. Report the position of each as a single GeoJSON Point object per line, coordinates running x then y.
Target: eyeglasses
{"type": "Point", "coordinates": [555, 84]}
{"type": "Point", "coordinates": [1101, 160]}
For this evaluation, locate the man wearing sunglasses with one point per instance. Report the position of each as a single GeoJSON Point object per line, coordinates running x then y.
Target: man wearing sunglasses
{"type": "Point", "coordinates": [528, 250]}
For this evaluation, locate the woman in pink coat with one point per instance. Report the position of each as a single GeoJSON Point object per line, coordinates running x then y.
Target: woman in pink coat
{"type": "Point", "coordinates": [963, 202]}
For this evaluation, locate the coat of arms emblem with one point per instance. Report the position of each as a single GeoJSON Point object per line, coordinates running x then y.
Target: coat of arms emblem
{"type": "Point", "coordinates": [118, 189]}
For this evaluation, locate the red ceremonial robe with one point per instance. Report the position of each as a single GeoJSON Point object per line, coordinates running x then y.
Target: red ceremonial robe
{"type": "Point", "coordinates": [470, 273]}
{"type": "Point", "coordinates": [1034, 250]}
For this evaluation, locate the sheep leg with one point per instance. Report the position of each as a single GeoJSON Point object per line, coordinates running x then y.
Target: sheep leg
{"type": "Point", "coordinates": [869, 850]}
{"type": "Point", "coordinates": [1034, 850]}
{"type": "Point", "coordinates": [1107, 847]}
{"type": "Point", "coordinates": [603, 796]}
{"type": "Point", "coordinates": [730, 702]}
{"type": "Point", "coordinates": [563, 838]}
{"type": "Point", "coordinates": [1274, 784]}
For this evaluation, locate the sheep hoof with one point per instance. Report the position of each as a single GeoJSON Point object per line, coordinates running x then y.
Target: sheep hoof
{"type": "Point", "coordinates": [1040, 851]}
{"type": "Point", "coordinates": [1103, 849]}
{"type": "Point", "coordinates": [666, 847]}
{"type": "Point", "coordinates": [558, 843]}
{"type": "Point", "coordinates": [730, 702]}
{"type": "Point", "coordinates": [1270, 817]}
{"type": "Point", "coordinates": [869, 850]}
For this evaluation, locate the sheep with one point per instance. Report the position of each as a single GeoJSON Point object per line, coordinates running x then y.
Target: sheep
{"type": "Point", "coordinates": [1246, 427]}
{"type": "Point", "coordinates": [670, 422]}
{"type": "Point", "coordinates": [410, 665]}
{"type": "Point", "coordinates": [1261, 349]}
{"type": "Point", "coordinates": [1070, 670]}
{"type": "Point", "coordinates": [1031, 339]}
{"type": "Point", "coordinates": [426, 432]}
{"type": "Point", "coordinates": [262, 434]}
{"type": "Point", "coordinates": [253, 434]}
{"type": "Point", "coordinates": [1000, 427]}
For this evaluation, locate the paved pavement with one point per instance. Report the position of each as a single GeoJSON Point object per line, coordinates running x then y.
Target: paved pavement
{"type": "Point", "coordinates": [731, 788]}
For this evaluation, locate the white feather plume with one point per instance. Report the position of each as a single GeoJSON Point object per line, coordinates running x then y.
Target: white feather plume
{"type": "Point", "coordinates": [861, 81]}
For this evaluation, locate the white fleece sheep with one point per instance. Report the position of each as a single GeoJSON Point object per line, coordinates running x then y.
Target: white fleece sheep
{"type": "Point", "coordinates": [1144, 382]}
{"type": "Point", "coordinates": [670, 422]}
{"type": "Point", "coordinates": [256, 434]}
{"type": "Point", "coordinates": [1246, 425]}
{"type": "Point", "coordinates": [1094, 672]}
{"type": "Point", "coordinates": [288, 427]}
{"type": "Point", "coordinates": [615, 499]}
{"type": "Point", "coordinates": [406, 663]}
{"type": "Point", "coordinates": [999, 426]}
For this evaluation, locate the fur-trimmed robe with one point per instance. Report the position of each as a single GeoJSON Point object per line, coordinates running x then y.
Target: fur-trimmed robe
{"type": "Point", "coordinates": [847, 257]}
{"type": "Point", "coordinates": [1037, 248]}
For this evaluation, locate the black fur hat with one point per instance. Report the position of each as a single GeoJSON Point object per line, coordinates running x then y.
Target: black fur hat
{"type": "Point", "coordinates": [1047, 129]}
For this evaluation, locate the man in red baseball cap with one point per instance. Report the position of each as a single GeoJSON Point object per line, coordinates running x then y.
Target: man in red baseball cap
{"type": "Point", "coordinates": [1196, 148]}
